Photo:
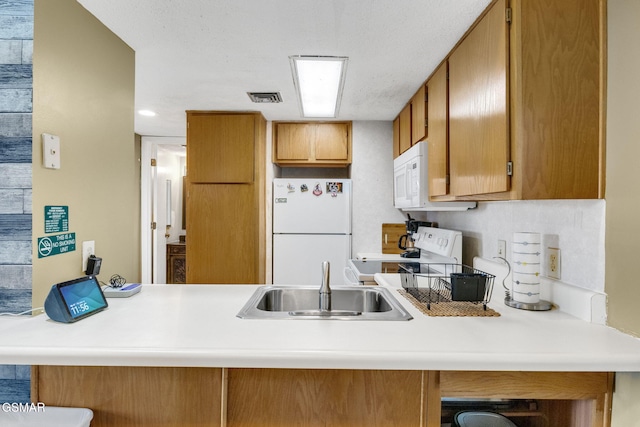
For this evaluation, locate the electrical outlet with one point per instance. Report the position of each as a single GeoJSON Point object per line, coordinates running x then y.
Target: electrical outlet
{"type": "Point", "coordinates": [88, 249]}
{"type": "Point", "coordinates": [554, 263]}
{"type": "Point", "coordinates": [502, 248]}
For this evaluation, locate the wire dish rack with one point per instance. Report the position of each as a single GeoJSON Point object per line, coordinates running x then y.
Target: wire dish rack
{"type": "Point", "coordinates": [445, 283]}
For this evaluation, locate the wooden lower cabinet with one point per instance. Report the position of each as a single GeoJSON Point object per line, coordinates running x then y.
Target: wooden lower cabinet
{"type": "Point", "coordinates": [159, 396]}
{"type": "Point", "coordinates": [289, 397]}
{"type": "Point", "coordinates": [568, 399]}
{"type": "Point", "coordinates": [133, 396]}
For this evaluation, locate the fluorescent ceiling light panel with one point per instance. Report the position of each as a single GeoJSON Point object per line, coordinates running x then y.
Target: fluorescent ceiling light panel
{"type": "Point", "coordinates": [319, 81]}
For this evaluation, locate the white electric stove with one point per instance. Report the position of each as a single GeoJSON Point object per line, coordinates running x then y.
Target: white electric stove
{"type": "Point", "coordinates": [437, 246]}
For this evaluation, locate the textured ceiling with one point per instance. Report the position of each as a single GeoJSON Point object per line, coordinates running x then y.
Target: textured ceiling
{"type": "Point", "coordinates": [206, 54]}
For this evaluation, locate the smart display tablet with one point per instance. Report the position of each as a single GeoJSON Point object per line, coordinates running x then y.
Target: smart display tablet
{"type": "Point", "coordinates": [76, 299]}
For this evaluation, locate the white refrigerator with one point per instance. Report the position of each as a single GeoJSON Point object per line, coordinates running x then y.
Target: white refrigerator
{"type": "Point", "coordinates": [311, 224]}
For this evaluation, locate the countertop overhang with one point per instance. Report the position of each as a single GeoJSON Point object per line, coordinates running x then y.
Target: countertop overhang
{"type": "Point", "coordinates": [196, 326]}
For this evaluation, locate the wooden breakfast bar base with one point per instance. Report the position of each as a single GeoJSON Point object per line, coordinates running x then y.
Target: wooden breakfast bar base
{"type": "Point", "coordinates": [188, 396]}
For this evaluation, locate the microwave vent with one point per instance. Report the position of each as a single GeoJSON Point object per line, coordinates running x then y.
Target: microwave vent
{"type": "Point", "coordinates": [265, 97]}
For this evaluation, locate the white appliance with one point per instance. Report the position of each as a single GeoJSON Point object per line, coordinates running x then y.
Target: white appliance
{"type": "Point", "coordinates": [311, 224]}
{"type": "Point", "coordinates": [411, 183]}
{"type": "Point", "coordinates": [437, 246]}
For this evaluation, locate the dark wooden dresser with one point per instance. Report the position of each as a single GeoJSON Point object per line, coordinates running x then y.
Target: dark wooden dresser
{"type": "Point", "coordinates": [177, 262]}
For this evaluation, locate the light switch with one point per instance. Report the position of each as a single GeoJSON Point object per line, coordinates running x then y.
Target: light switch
{"type": "Point", "coordinates": [50, 151]}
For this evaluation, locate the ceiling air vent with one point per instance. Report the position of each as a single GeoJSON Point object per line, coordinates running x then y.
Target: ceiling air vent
{"type": "Point", "coordinates": [265, 97]}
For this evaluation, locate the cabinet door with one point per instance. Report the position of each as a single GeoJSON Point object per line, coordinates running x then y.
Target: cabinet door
{"type": "Point", "coordinates": [419, 115]}
{"type": "Point", "coordinates": [559, 75]}
{"type": "Point", "coordinates": [220, 148]}
{"type": "Point", "coordinates": [324, 397]}
{"type": "Point", "coordinates": [396, 137]}
{"type": "Point", "coordinates": [293, 141]}
{"type": "Point", "coordinates": [155, 396]}
{"type": "Point", "coordinates": [438, 133]}
{"type": "Point", "coordinates": [331, 141]}
{"type": "Point", "coordinates": [405, 129]}
{"type": "Point", "coordinates": [223, 230]}
{"type": "Point", "coordinates": [478, 108]}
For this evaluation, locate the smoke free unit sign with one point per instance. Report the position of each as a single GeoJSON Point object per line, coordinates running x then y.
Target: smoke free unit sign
{"type": "Point", "coordinates": [56, 245]}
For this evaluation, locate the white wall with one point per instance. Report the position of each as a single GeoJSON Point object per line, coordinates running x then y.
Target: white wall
{"type": "Point", "coordinates": [623, 192]}
{"type": "Point", "coordinates": [83, 91]}
{"type": "Point", "coordinates": [372, 175]}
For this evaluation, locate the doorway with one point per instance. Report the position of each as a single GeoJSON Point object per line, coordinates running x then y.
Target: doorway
{"type": "Point", "coordinates": [161, 205]}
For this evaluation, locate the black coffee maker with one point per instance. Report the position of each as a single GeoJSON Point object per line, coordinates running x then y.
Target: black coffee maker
{"type": "Point", "coordinates": [406, 242]}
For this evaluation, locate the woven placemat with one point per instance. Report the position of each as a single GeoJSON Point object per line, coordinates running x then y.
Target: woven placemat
{"type": "Point", "coordinates": [450, 308]}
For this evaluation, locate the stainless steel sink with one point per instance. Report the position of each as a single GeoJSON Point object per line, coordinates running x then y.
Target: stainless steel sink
{"type": "Point", "coordinates": [347, 303]}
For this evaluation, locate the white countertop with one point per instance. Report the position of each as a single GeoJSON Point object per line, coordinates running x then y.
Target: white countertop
{"type": "Point", "coordinates": [196, 325]}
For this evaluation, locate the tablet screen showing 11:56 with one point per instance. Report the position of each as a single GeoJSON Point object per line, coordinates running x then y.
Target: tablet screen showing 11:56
{"type": "Point", "coordinates": [83, 297]}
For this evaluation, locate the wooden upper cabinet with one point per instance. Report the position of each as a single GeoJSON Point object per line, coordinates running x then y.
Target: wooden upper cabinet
{"type": "Point", "coordinates": [526, 103]}
{"type": "Point", "coordinates": [557, 86]}
{"type": "Point", "coordinates": [396, 137]}
{"type": "Point", "coordinates": [405, 128]}
{"type": "Point", "coordinates": [419, 115]}
{"type": "Point", "coordinates": [312, 144]}
{"type": "Point", "coordinates": [410, 127]}
{"type": "Point", "coordinates": [332, 142]}
{"type": "Point", "coordinates": [293, 141]}
{"type": "Point", "coordinates": [438, 141]}
{"type": "Point", "coordinates": [221, 147]}
{"type": "Point", "coordinates": [478, 108]}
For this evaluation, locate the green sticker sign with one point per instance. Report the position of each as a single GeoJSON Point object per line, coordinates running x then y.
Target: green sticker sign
{"type": "Point", "coordinates": [56, 245]}
{"type": "Point", "coordinates": [56, 219]}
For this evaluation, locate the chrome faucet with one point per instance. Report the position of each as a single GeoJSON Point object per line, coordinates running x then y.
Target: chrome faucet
{"type": "Point", "coordinates": [325, 289]}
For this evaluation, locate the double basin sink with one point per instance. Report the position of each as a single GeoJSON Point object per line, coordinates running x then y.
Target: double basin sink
{"type": "Point", "coordinates": [347, 303]}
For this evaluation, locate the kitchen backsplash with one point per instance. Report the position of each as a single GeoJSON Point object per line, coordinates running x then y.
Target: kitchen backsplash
{"type": "Point", "coordinates": [577, 227]}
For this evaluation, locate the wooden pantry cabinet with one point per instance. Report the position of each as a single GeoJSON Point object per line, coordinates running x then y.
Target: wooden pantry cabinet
{"type": "Point", "coordinates": [318, 144]}
{"type": "Point", "coordinates": [225, 197]}
{"type": "Point", "coordinates": [220, 148]}
{"type": "Point", "coordinates": [526, 104]}
{"type": "Point", "coordinates": [317, 397]}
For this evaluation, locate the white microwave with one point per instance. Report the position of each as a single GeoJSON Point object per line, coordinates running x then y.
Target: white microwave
{"type": "Point", "coordinates": [411, 183]}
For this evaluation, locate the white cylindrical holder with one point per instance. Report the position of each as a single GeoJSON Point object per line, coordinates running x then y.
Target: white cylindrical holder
{"type": "Point", "coordinates": [526, 253]}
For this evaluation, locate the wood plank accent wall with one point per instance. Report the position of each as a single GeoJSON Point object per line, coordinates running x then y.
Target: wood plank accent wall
{"type": "Point", "coordinates": [16, 87]}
